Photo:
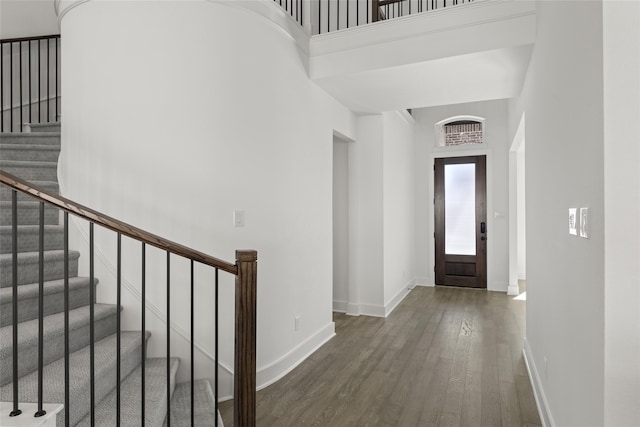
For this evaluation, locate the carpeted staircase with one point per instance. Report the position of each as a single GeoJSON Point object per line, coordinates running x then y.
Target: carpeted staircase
{"type": "Point", "coordinates": [33, 156]}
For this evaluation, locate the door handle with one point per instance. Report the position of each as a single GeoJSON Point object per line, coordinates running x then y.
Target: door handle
{"type": "Point", "coordinates": [483, 227]}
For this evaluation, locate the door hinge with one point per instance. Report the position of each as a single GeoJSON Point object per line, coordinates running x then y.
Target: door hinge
{"type": "Point", "coordinates": [434, 268]}
{"type": "Point", "coordinates": [434, 235]}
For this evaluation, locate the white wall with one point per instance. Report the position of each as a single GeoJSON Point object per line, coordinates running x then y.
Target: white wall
{"type": "Point", "coordinates": [521, 212]}
{"type": "Point", "coordinates": [563, 99]}
{"type": "Point", "coordinates": [381, 225]}
{"type": "Point", "coordinates": [340, 224]}
{"type": "Point", "coordinates": [621, 30]}
{"type": "Point", "coordinates": [366, 253]}
{"type": "Point", "coordinates": [25, 18]}
{"type": "Point", "coordinates": [496, 148]}
{"type": "Point", "coordinates": [171, 127]}
{"type": "Point", "coordinates": [399, 207]}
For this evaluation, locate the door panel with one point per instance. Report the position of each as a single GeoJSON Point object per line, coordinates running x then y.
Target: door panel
{"type": "Point", "coordinates": [460, 221]}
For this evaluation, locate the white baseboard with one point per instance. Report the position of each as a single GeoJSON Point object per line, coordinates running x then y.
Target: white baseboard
{"type": "Point", "coordinates": [267, 375]}
{"type": "Point", "coordinates": [372, 310]}
{"type": "Point", "coordinates": [513, 290]}
{"type": "Point", "coordinates": [340, 306]}
{"type": "Point", "coordinates": [399, 296]}
{"type": "Point", "coordinates": [538, 392]}
{"type": "Point", "coordinates": [425, 281]}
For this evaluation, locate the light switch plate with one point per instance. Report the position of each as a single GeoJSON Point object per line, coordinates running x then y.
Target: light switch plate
{"type": "Point", "coordinates": [238, 218]}
{"type": "Point", "coordinates": [584, 222]}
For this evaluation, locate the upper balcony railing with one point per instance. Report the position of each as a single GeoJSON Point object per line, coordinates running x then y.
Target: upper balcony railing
{"type": "Point", "coordinates": [325, 16]}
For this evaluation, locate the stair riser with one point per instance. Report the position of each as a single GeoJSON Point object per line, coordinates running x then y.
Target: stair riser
{"type": "Point", "coordinates": [5, 192]}
{"type": "Point", "coordinates": [33, 173]}
{"type": "Point", "coordinates": [28, 214]}
{"type": "Point", "coordinates": [35, 138]}
{"type": "Point", "coordinates": [45, 127]}
{"type": "Point", "coordinates": [29, 241]}
{"type": "Point", "coordinates": [28, 272]}
{"type": "Point", "coordinates": [53, 303]}
{"type": "Point", "coordinates": [35, 154]}
{"type": "Point", "coordinates": [53, 348]}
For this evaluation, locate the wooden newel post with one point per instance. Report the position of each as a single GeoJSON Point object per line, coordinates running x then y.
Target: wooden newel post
{"type": "Point", "coordinates": [245, 343]}
{"type": "Point", "coordinates": [375, 11]}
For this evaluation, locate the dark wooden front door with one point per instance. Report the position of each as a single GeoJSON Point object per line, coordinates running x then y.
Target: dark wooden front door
{"type": "Point", "coordinates": [460, 221]}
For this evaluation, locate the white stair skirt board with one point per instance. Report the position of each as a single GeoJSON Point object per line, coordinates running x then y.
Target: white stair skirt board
{"type": "Point", "coordinates": [26, 419]}
{"type": "Point", "coordinates": [536, 384]}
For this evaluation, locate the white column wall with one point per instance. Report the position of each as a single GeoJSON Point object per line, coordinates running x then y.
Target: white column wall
{"type": "Point", "coordinates": [621, 30]}
{"type": "Point", "coordinates": [563, 101]}
{"type": "Point", "coordinates": [399, 207]}
{"type": "Point", "coordinates": [172, 127]}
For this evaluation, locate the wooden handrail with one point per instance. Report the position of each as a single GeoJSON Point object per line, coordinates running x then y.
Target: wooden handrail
{"type": "Point", "coordinates": [114, 224]}
{"type": "Point", "coordinates": [27, 39]}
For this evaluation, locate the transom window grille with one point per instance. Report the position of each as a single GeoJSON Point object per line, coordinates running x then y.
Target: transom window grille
{"type": "Point", "coordinates": [460, 131]}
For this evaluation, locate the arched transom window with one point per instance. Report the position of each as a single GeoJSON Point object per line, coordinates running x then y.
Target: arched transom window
{"type": "Point", "coordinates": [460, 130]}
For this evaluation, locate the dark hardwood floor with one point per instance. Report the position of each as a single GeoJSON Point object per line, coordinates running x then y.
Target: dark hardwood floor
{"type": "Point", "coordinates": [444, 357]}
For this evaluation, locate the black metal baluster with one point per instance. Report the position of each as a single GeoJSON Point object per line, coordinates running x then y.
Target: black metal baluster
{"type": "Point", "coordinates": [168, 339]}
{"type": "Point", "coordinates": [14, 254]}
{"type": "Point", "coordinates": [56, 77]}
{"type": "Point", "coordinates": [215, 350]}
{"type": "Point", "coordinates": [67, 410]}
{"type": "Point", "coordinates": [338, 15]}
{"type": "Point", "coordinates": [20, 83]}
{"type": "Point", "coordinates": [11, 85]}
{"type": "Point", "coordinates": [367, 3]}
{"type": "Point", "coordinates": [118, 325]}
{"type": "Point", "coordinates": [357, 12]}
{"type": "Point", "coordinates": [192, 350]}
{"type": "Point", "coordinates": [39, 82]}
{"type": "Point", "coordinates": [92, 373]}
{"type": "Point", "coordinates": [30, 98]}
{"type": "Point", "coordinates": [48, 91]}
{"type": "Point", "coordinates": [143, 352]}
{"type": "Point", "coordinates": [328, 16]}
{"type": "Point", "coordinates": [2, 87]}
{"type": "Point", "coordinates": [41, 411]}
{"type": "Point", "coordinates": [319, 17]}
{"type": "Point", "coordinates": [348, 1]}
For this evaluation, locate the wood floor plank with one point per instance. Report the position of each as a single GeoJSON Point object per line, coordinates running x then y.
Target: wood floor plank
{"type": "Point", "coordinates": [444, 357]}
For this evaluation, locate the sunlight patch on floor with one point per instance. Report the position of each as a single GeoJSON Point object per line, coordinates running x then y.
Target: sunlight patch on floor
{"type": "Point", "coordinates": [521, 297]}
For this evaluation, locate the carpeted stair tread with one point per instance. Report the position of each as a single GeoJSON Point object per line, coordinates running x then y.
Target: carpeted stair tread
{"type": "Point", "coordinates": [44, 127]}
{"type": "Point", "coordinates": [28, 213]}
{"type": "Point", "coordinates": [36, 138]}
{"type": "Point", "coordinates": [30, 152]}
{"type": "Point", "coordinates": [105, 324]}
{"type": "Point", "coordinates": [53, 299]}
{"type": "Point", "coordinates": [79, 387]}
{"type": "Point", "coordinates": [50, 186]}
{"type": "Point", "coordinates": [204, 405]}
{"type": "Point", "coordinates": [30, 170]}
{"type": "Point", "coordinates": [28, 267]}
{"type": "Point", "coordinates": [28, 238]}
{"type": "Point", "coordinates": [155, 397]}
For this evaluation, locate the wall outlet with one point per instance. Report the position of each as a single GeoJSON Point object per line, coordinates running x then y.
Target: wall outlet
{"type": "Point", "coordinates": [296, 326]}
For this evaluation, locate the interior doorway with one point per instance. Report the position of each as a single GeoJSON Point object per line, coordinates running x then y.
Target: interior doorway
{"type": "Point", "coordinates": [460, 185]}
